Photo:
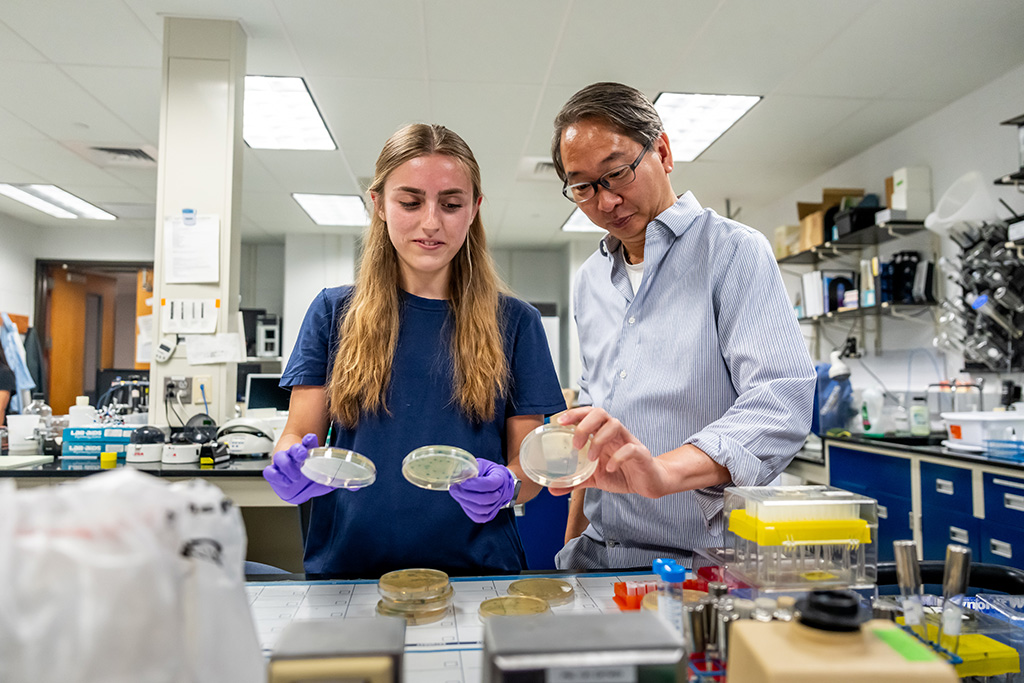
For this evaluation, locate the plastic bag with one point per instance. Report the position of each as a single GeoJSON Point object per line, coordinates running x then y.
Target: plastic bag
{"type": "Point", "coordinates": [122, 578]}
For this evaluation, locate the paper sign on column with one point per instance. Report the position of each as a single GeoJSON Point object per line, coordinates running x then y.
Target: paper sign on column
{"type": "Point", "coordinates": [189, 316]}
{"type": "Point", "coordinates": [192, 252]}
{"type": "Point", "coordinates": [207, 349]}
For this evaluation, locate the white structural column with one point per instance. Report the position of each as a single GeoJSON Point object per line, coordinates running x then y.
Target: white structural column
{"type": "Point", "coordinates": [312, 262]}
{"type": "Point", "coordinates": [200, 168]}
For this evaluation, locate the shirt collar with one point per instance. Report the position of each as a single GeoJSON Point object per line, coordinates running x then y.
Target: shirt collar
{"type": "Point", "coordinates": [676, 219]}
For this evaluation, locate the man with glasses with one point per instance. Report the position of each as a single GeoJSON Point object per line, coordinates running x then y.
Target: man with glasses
{"type": "Point", "coordinates": [695, 373]}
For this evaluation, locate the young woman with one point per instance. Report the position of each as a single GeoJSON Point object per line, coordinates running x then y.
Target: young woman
{"type": "Point", "coordinates": [424, 349]}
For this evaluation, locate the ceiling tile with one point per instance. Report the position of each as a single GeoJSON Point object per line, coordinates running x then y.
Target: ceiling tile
{"type": "Point", "coordinates": [134, 94]}
{"type": "Point", "coordinates": [14, 48]}
{"type": "Point", "coordinates": [53, 163]}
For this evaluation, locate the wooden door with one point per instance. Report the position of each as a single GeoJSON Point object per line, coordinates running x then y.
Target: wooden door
{"type": "Point", "coordinates": [66, 323]}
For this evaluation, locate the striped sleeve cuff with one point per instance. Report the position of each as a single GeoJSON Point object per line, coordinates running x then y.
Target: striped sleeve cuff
{"type": "Point", "coordinates": [744, 467]}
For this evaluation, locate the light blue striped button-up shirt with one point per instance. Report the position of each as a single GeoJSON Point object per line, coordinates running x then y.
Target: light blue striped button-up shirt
{"type": "Point", "coordinates": [706, 352]}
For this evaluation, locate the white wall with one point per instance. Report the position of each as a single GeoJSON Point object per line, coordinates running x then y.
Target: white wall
{"type": "Point", "coordinates": [261, 275]}
{"type": "Point", "coordinates": [962, 137]}
{"type": "Point", "coordinates": [18, 242]}
{"type": "Point", "coordinates": [312, 262]}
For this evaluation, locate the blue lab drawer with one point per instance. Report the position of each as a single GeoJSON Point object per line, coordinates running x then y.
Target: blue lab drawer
{"type": "Point", "coordinates": [946, 488]}
{"type": "Point", "coordinates": [1001, 544]}
{"type": "Point", "coordinates": [1004, 500]}
{"type": "Point", "coordinates": [893, 522]}
{"type": "Point", "coordinates": [941, 526]}
{"type": "Point", "coordinates": [869, 472]}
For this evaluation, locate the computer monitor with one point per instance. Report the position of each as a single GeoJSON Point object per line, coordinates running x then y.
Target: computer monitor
{"type": "Point", "coordinates": [262, 391]}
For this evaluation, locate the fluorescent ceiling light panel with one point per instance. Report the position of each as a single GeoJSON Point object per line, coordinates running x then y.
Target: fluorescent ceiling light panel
{"type": "Point", "coordinates": [578, 222]}
{"type": "Point", "coordinates": [333, 209]}
{"type": "Point", "coordinates": [693, 121]}
{"type": "Point", "coordinates": [280, 113]}
{"type": "Point", "coordinates": [54, 201]}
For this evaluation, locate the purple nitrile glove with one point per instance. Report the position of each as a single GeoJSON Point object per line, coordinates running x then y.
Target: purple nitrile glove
{"type": "Point", "coordinates": [482, 496]}
{"type": "Point", "coordinates": [286, 477]}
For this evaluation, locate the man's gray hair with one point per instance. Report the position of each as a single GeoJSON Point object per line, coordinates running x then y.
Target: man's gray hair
{"type": "Point", "coordinates": [625, 109]}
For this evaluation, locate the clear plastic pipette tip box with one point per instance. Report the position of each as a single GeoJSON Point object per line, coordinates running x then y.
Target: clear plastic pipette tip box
{"type": "Point", "coordinates": [797, 538]}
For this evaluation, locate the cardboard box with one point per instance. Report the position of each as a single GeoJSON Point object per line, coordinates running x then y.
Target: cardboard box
{"type": "Point", "coordinates": [812, 215]}
{"type": "Point", "coordinates": [787, 240]}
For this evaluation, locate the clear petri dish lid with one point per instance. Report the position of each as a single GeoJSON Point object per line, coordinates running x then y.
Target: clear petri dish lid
{"type": "Point", "coordinates": [340, 468]}
{"type": "Point", "coordinates": [414, 618]}
{"type": "Point", "coordinates": [548, 458]}
{"type": "Point", "coordinates": [438, 467]}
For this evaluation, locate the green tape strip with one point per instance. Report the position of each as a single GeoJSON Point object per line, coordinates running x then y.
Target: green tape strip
{"type": "Point", "coordinates": [905, 644]}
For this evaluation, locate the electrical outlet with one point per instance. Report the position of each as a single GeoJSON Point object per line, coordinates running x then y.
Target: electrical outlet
{"type": "Point", "coordinates": [178, 388]}
{"type": "Point", "coordinates": [201, 384]}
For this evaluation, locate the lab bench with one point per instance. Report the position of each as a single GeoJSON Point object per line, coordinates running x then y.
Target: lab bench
{"type": "Point", "coordinates": [935, 495]}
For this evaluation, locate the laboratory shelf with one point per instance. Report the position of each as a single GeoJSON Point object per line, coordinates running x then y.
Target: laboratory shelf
{"type": "Point", "coordinates": [887, 309]}
{"type": "Point", "coordinates": [854, 242]}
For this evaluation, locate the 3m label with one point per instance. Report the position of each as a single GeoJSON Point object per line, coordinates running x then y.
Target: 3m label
{"type": "Point", "coordinates": [596, 674]}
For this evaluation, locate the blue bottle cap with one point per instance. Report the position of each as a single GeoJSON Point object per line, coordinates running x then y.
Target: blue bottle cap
{"type": "Point", "coordinates": [979, 301]}
{"type": "Point", "coordinates": [672, 573]}
{"type": "Point", "coordinates": [661, 561]}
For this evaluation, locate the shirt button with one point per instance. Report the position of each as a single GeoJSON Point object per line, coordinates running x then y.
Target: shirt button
{"type": "Point", "coordinates": [622, 374]}
{"type": "Point", "coordinates": [632, 319]}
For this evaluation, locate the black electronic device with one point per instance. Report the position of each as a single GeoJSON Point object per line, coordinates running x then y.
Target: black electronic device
{"type": "Point", "coordinates": [263, 390]}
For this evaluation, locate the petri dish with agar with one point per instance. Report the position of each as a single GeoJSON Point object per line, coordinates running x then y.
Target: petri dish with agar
{"type": "Point", "coordinates": [340, 468]}
{"type": "Point", "coordinates": [413, 618]}
{"type": "Point", "coordinates": [436, 468]}
{"type": "Point", "coordinates": [553, 591]}
{"type": "Point", "coordinates": [512, 606]}
{"type": "Point", "coordinates": [548, 458]}
{"type": "Point", "coordinates": [414, 584]}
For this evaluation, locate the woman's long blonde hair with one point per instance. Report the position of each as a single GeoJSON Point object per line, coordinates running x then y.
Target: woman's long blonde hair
{"type": "Point", "coordinates": [369, 327]}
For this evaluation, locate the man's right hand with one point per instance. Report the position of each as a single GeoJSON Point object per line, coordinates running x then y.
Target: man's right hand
{"type": "Point", "coordinates": [286, 477]}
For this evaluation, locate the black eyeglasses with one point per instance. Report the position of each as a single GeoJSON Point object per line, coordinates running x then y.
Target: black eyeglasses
{"type": "Point", "coordinates": [620, 176]}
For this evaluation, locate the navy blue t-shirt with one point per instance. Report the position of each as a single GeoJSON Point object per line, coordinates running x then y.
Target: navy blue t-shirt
{"type": "Point", "coordinates": [393, 524]}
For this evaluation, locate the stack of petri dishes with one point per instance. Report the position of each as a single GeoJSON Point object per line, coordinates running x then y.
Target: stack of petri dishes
{"type": "Point", "coordinates": [420, 596]}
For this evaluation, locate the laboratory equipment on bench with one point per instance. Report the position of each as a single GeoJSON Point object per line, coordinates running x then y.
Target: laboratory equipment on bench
{"type": "Point", "coordinates": [247, 436]}
{"type": "Point", "coordinates": [369, 650]}
{"type": "Point", "coordinates": [629, 646]}
{"type": "Point", "coordinates": [268, 336]}
{"type": "Point", "coordinates": [798, 538]}
{"type": "Point", "coordinates": [146, 444]}
{"type": "Point", "coordinates": [832, 640]}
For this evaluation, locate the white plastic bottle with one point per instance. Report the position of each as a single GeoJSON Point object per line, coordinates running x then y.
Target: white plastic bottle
{"type": "Point", "coordinates": [81, 413]}
{"type": "Point", "coordinates": [871, 411]}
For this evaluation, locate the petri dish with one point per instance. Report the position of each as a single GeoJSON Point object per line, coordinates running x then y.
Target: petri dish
{"type": "Point", "coordinates": [512, 606]}
{"type": "Point", "coordinates": [436, 468]}
{"type": "Point", "coordinates": [340, 468]}
{"type": "Point", "coordinates": [413, 618]}
{"type": "Point", "coordinates": [419, 604]}
{"type": "Point", "coordinates": [650, 602]}
{"type": "Point", "coordinates": [553, 591]}
{"type": "Point", "coordinates": [548, 458]}
{"type": "Point", "coordinates": [413, 584]}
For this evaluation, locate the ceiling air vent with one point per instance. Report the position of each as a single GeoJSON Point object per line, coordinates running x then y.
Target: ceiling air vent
{"type": "Point", "coordinates": [537, 168]}
{"type": "Point", "coordinates": [122, 156]}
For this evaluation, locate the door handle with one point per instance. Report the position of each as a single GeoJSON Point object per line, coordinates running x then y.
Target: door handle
{"type": "Point", "coordinates": [1001, 548]}
{"type": "Point", "coordinates": [958, 535]}
{"type": "Point", "coordinates": [883, 512]}
{"type": "Point", "coordinates": [1012, 501]}
{"type": "Point", "coordinates": [944, 486]}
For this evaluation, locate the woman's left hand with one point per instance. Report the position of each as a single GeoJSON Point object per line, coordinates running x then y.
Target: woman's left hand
{"type": "Point", "coordinates": [482, 496]}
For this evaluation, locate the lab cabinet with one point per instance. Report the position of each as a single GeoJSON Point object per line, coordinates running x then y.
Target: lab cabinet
{"type": "Point", "coordinates": [946, 487]}
{"type": "Point", "coordinates": [1004, 500]}
{"type": "Point", "coordinates": [1002, 544]}
{"type": "Point", "coordinates": [885, 478]}
{"type": "Point", "coordinates": [942, 526]}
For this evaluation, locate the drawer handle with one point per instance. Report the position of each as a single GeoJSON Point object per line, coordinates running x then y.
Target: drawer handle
{"type": "Point", "coordinates": [883, 512]}
{"type": "Point", "coordinates": [1001, 548]}
{"type": "Point", "coordinates": [1012, 501]}
{"type": "Point", "coordinates": [944, 486]}
{"type": "Point", "coordinates": [958, 535]}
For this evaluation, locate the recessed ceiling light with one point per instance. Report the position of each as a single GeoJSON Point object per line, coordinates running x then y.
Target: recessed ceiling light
{"type": "Point", "coordinates": [280, 113]}
{"type": "Point", "coordinates": [333, 209]}
{"type": "Point", "coordinates": [694, 121]}
{"type": "Point", "coordinates": [54, 201]}
{"type": "Point", "coordinates": [578, 222]}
